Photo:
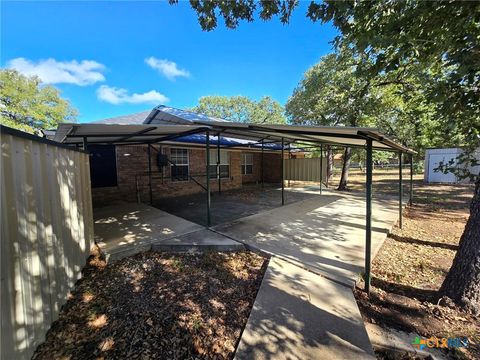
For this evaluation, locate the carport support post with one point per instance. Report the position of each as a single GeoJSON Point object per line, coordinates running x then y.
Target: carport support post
{"type": "Point", "coordinates": [283, 173]}
{"type": "Point", "coordinates": [207, 145]}
{"type": "Point", "coordinates": [368, 224]}
{"type": "Point", "coordinates": [150, 174]}
{"type": "Point", "coordinates": [400, 190]}
{"type": "Point", "coordinates": [262, 165]}
{"type": "Point", "coordinates": [410, 201]}
{"type": "Point", "coordinates": [218, 164]}
{"type": "Point", "coordinates": [85, 143]}
{"type": "Point", "coordinates": [321, 167]}
{"type": "Point", "coordinates": [289, 157]}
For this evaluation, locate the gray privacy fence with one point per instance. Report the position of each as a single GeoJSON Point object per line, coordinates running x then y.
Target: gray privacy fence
{"type": "Point", "coordinates": [46, 235]}
{"type": "Point", "coordinates": [305, 169]}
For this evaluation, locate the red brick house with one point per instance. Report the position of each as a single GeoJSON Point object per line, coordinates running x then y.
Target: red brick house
{"type": "Point", "coordinates": [120, 172]}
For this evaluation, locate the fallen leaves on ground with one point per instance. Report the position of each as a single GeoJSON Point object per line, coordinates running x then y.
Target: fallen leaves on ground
{"type": "Point", "coordinates": [413, 262]}
{"type": "Point", "coordinates": [157, 306]}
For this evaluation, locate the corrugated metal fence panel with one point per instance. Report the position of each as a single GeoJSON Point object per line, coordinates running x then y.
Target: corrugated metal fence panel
{"type": "Point", "coordinates": [47, 232]}
{"type": "Point", "coordinates": [305, 169]}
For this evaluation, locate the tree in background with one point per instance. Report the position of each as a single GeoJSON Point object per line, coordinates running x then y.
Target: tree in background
{"type": "Point", "coordinates": [437, 39]}
{"type": "Point", "coordinates": [330, 94]}
{"type": "Point", "coordinates": [28, 106]}
{"type": "Point", "coordinates": [242, 109]}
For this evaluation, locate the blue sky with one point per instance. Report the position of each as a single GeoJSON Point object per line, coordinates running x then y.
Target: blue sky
{"type": "Point", "coordinates": [116, 58]}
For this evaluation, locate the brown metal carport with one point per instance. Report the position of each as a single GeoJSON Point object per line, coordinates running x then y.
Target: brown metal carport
{"type": "Point", "coordinates": [259, 135]}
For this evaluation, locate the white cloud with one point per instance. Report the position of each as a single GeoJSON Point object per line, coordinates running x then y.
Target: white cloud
{"type": "Point", "coordinates": [166, 67]}
{"type": "Point", "coordinates": [117, 96]}
{"type": "Point", "coordinates": [51, 71]}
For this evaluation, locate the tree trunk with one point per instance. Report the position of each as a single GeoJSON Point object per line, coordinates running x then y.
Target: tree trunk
{"type": "Point", "coordinates": [329, 163]}
{"type": "Point", "coordinates": [462, 283]}
{"type": "Point", "coordinates": [346, 165]}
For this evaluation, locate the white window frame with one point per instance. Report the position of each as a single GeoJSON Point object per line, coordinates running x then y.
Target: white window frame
{"type": "Point", "coordinates": [224, 161]}
{"type": "Point", "coordinates": [187, 163]}
{"type": "Point", "coordinates": [245, 163]}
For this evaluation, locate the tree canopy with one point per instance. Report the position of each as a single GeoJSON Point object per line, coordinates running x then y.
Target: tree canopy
{"type": "Point", "coordinates": [438, 40]}
{"type": "Point", "coordinates": [331, 94]}
{"type": "Point", "coordinates": [242, 109]}
{"type": "Point", "coordinates": [436, 43]}
{"type": "Point", "coordinates": [27, 105]}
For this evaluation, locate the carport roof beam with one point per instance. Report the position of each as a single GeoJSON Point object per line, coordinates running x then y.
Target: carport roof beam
{"type": "Point", "coordinates": [121, 134]}
{"type": "Point", "coordinates": [339, 135]}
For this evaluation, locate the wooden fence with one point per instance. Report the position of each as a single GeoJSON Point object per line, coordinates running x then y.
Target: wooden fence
{"type": "Point", "coordinates": [305, 169]}
{"type": "Point", "coordinates": [46, 235]}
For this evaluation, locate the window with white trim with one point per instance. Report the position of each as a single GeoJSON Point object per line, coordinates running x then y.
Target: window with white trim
{"type": "Point", "coordinates": [224, 164]}
{"type": "Point", "coordinates": [180, 166]}
{"type": "Point", "coordinates": [247, 163]}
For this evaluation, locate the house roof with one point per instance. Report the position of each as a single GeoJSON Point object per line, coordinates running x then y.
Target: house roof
{"type": "Point", "coordinates": [160, 115]}
{"type": "Point", "coordinates": [131, 119]}
{"type": "Point", "coordinates": [164, 115]}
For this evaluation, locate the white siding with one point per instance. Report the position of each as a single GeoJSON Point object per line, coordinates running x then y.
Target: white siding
{"type": "Point", "coordinates": [433, 157]}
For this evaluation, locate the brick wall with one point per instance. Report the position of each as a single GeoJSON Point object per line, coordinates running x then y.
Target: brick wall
{"type": "Point", "coordinates": [132, 172]}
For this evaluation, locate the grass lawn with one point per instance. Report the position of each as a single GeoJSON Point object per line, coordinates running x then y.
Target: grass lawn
{"type": "Point", "coordinates": [157, 306]}
{"type": "Point", "coordinates": [412, 263]}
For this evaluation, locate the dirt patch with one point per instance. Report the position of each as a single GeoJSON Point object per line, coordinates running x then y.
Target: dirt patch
{"type": "Point", "coordinates": [412, 264]}
{"type": "Point", "coordinates": [157, 306]}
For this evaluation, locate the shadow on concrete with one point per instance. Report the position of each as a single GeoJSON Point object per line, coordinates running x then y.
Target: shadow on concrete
{"type": "Point", "coordinates": [325, 233]}
{"type": "Point", "coordinates": [299, 315]}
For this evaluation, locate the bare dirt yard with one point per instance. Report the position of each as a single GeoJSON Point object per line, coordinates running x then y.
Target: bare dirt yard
{"type": "Point", "coordinates": [412, 263]}
{"type": "Point", "coordinates": [157, 306]}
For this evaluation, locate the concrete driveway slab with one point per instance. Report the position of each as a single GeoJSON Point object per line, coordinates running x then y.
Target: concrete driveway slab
{"type": "Point", "coordinates": [326, 233]}
{"type": "Point", "coordinates": [125, 230]}
{"type": "Point", "coordinates": [300, 315]}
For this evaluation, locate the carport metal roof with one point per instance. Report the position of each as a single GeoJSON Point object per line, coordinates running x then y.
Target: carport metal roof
{"type": "Point", "coordinates": [119, 134]}
{"type": "Point", "coordinates": [255, 134]}
{"type": "Point", "coordinates": [338, 135]}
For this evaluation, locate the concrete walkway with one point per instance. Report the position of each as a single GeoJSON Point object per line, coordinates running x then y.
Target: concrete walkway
{"type": "Point", "coordinates": [325, 234]}
{"type": "Point", "coordinates": [127, 229]}
{"type": "Point", "coordinates": [300, 315]}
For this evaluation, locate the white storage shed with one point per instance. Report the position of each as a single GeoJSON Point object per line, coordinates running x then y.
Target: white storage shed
{"type": "Point", "coordinates": [433, 157]}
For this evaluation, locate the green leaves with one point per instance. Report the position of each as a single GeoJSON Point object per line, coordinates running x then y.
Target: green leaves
{"type": "Point", "coordinates": [26, 105]}
{"type": "Point", "coordinates": [242, 109]}
{"type": "Point", "coordinates": [331, 94]}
